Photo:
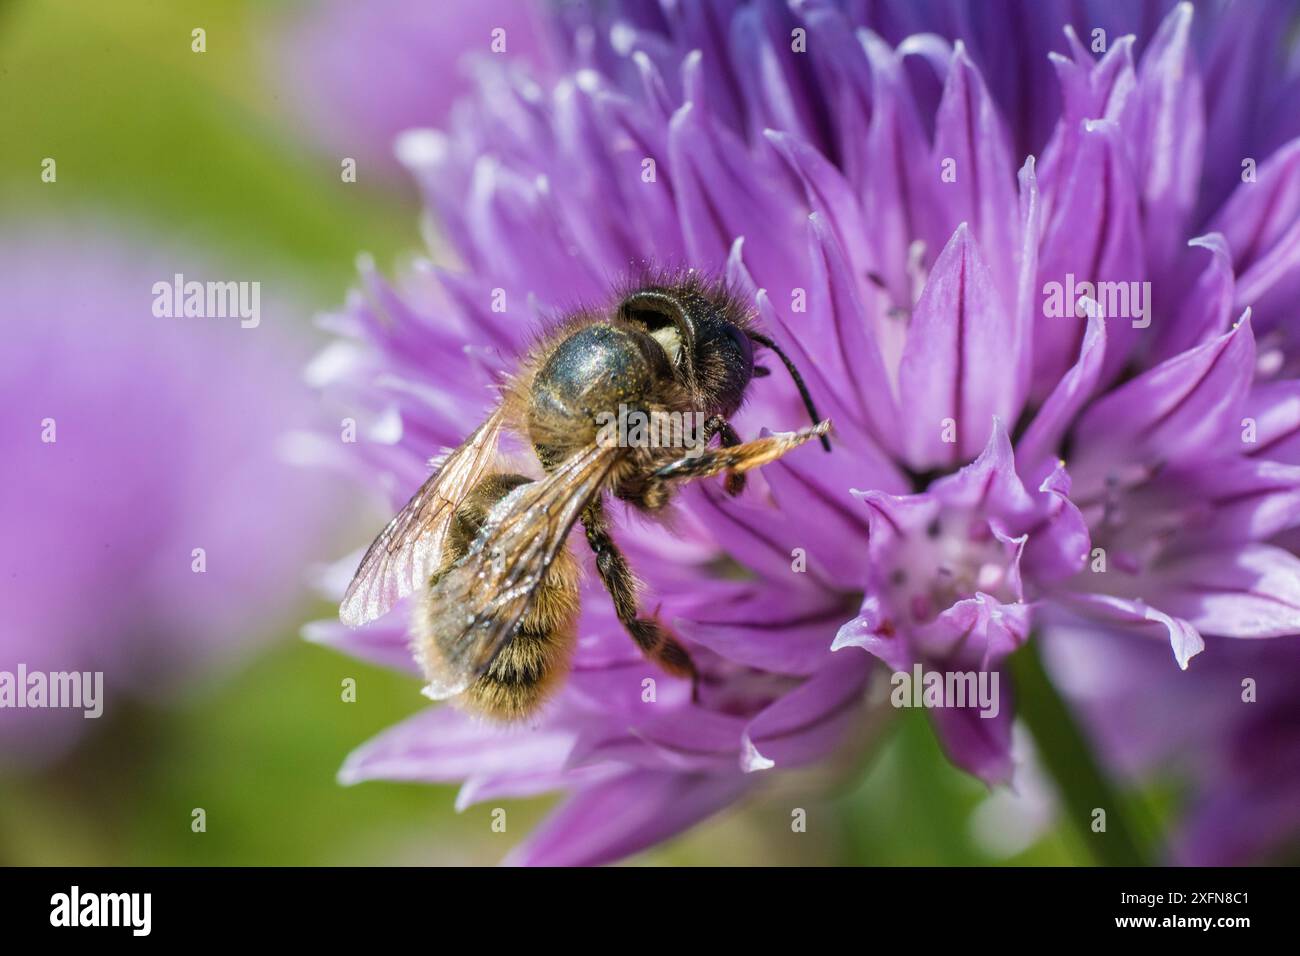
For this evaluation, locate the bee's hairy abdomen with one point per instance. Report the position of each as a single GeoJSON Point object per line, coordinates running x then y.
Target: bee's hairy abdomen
{"type": "Point", "coordinates": [534, 662]}
{"type": "Point", "coordinates": [524, 675]}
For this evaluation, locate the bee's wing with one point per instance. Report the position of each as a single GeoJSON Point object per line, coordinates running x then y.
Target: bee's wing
{"type": "Point", "coordinates": [409, 549]}
{"type": "Point", "coordinates": [476, 605]}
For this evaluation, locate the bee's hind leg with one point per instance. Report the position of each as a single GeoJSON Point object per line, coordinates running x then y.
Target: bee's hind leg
{"type": "Point", "coordinates": [654, 640]}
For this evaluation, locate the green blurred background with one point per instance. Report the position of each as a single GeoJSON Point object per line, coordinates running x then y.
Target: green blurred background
{"type": "Point", "coordinates": [202, 148]}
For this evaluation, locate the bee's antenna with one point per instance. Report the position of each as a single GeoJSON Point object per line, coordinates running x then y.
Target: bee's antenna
{"type": "Point", "coordinates": [767, 343]}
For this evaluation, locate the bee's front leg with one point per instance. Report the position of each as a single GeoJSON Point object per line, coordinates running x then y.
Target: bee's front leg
{"type": "Point", "coordinates": [739, 458]}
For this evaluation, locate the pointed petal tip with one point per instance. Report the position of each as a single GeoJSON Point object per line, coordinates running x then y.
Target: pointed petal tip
{"type": "Point", "coordinates": [1214, 241]}
{"type": "Point", "coordinates": [420, 148]}
{"type": "Point", "coordinates": [846, 636]}
{"type": "Point", "coordinates": [751, 761]}
{"type": "Point", "coordinates": [465, 796]}
{"type": "Point", "coordinates": [315, 632]}
{"type": "Point", "coordinates": [349, 775]}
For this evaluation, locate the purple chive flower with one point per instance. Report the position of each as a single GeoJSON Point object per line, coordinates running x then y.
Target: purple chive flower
{"type": "Point", "coordinates": [938, 223]}
{"type": "Point", "coordinates": [129, 441]}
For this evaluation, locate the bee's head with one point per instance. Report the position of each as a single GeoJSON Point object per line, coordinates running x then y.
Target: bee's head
{"type": "Point", "coordinates": [706, 333]}
{"type": "Point", "coordinates": [709, 351]}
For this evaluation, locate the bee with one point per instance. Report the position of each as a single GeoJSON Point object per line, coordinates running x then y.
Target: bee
{"type": "Point", "coordinates": [485, 549]}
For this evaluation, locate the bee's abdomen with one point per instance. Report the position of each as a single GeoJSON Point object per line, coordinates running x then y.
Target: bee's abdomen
{"type": "Point", "coordinates": [537, 657]}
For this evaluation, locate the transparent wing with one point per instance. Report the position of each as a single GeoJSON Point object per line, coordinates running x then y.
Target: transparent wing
{"type": "Point", "coordinates": [408, 550]}
{"type": "Point", "coordinates": [475, 607]}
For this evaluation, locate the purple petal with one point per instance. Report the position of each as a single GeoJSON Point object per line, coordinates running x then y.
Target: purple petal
{"type": "Point", "coordinates": [1038, 448]}
{"type": "Point", "coordinates": [975, 632]}
{"type": "Point", "coordinates": [969, 131]}
{"type": "Point", "coordinates": [693, 740]}
{"type": "Point", "coordinates": [869, 631]}
{"type": "Point", "coordinates": [786, 632]}
{"type": "Point", "coordinates": [616, 818]}
{"type": "Point", "coordinates": [1091, 234]}
{"type": "Point", "coordinates": [1139, 617]}
{"type": "Point", "coordinates": [960, 339]}
{"type": "Point", "coordinates": [779, 88]}
{"type": "Point", "coordinates": [897, 191]}
{"type": "Point", "coordinates": [385, 642]}
{"type": "Point", "coordinates": [1059, 541]}
{"type": "Point", "coordinates": [1186, 408]}
{"type": "Point", "coordinates": [836, 525]}
{"type": "Point", "coordinates": [720, 196]}
{"type": "Point", "coordinates": [1238, 824]}
{"type": "Point", "coordinates": [808, 723]}
{"type": "Point", "coordinates": [1205, 302]}
{"type": "Point", "coordinates": [442, 744]}
{"type": "Point", "coordinates": [832, 200]}
{"type": "Point", "coordinates": [1275, 408]}
{"type": "Point", "coordinates": [979, 745]}
{"type": "Point", "coordinates": [1168, 120]}
{"type": "Point", "coordinates": [1249, 109]}
{"type": "Point", "coordinates": [1026, 291]}
{"type": "Point", "coordinates": [854, 355]}
{"type": "Point", "coordinates": [989, 485]}
{"type": "Point", "coordinates": [1235, 501]}
{"type": "Point", "coordinates": [479, 788]}
{"type": "Point", "coordinates": [1251, 590]}
{"type": "Point", "coordinates": [1272, 283]}
{"type": "Point", "coordinates": [617, 689]}
{"type": "Point", "coordinates": [1259, 223]}
{"type": "Point", "coordinates": [844, 70]}
{"type": "Point", "coordinates": [1259, 213]}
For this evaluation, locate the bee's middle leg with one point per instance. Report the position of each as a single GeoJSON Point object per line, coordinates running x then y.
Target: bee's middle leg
{"type": "Point", "coordinates": [717, 425]}
{"type": "Point", "coordinates": [654, 640]}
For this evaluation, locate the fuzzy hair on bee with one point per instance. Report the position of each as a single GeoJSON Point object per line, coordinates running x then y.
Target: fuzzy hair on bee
{"type": "Point", "coordinates": [486, 549]}
{"type": "Point", "coordinates": [530, 667]}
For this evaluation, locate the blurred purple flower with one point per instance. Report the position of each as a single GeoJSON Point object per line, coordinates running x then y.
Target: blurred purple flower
{"type": "Point", "coordinates": [359, 74]}
{"type": "Point", "coordinates": [164, 435]}
{"type": "Point", "coordinates": [867, 196]}
{"type": "Point", "coordinates": [1227, 731]}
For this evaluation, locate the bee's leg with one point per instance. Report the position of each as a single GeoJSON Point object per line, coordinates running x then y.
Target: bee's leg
{"type": "Point", "coordinates": [739, 458]}
{"type": "Point", "coordinates": [717, 425]}
{"type": "Point", "coordinates": [654, 640]}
